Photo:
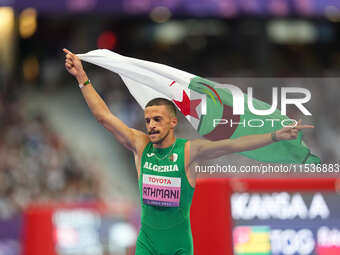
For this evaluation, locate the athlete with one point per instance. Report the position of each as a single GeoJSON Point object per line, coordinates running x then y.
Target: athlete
{"type": "Point", "coordinates": [163, 162]}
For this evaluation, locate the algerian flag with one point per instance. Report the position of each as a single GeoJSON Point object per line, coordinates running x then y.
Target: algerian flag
{"type": "Point", "coordinates": [202, 102]}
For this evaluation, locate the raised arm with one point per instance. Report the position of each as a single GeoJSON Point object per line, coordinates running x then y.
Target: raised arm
{"type": "Point", "coordinates": [205, 150]}
{"type": "Point", "coordinates": [132, 139]}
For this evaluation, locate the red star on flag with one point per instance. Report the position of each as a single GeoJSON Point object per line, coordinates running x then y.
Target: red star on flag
{"type": "Point", "coordinates": [187, 106]}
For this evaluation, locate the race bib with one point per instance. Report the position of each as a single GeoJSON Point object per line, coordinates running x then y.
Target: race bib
{"type": "Point", "coordinates": [161, 191]}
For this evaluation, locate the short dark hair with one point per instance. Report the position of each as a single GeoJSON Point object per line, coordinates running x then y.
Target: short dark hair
{"type": "Point", "coordinates": [163, 101]}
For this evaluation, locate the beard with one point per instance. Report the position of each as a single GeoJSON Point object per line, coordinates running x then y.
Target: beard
{"type": "Point", "coordinates": [161, 139]}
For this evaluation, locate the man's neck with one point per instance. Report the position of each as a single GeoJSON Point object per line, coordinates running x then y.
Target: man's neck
{"type": "Point", "coordinates": [168, 141]}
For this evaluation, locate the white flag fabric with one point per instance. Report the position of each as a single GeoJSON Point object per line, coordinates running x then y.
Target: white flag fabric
{"type": "Point", "coordinates": [145, 80]}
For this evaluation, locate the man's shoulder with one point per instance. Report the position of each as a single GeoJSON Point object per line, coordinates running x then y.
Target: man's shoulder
{"type": "Point", "coordinates": [196, 141]}
{"type": "Point", "coordinates": [183, 141]}
{"type": "Point", "coordinates": [142, 140]}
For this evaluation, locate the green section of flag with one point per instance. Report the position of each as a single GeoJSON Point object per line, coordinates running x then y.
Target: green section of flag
{"type": "Point", "coordinates": [293, 151]}
{"type": "Point", "coordinates": [214, 107]}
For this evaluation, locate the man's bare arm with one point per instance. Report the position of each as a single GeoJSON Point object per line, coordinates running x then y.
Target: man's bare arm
{"type": "Point", "coordinates": [205, 150]}
{"type": "Point", "coordinates": [130, 138]}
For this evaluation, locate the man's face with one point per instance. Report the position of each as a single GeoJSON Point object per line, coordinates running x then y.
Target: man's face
{"type": "Point", "coordinates": [159, 122]}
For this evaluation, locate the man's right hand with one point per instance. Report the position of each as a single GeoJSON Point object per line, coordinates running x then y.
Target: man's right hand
{"type": "Point", "coordinates": [73, 66]}
{"type": "Point", "coordinates": [132, 139]}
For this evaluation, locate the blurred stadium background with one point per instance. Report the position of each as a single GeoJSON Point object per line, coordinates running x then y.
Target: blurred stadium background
{"type": "Point", "coordinates": [68, 188]}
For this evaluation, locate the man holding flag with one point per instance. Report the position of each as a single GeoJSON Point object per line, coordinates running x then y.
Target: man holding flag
{"type": "Point", "coordinates": [163, 161]}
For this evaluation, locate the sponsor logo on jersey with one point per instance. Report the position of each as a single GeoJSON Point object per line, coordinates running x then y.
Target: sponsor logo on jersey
{"type": "Point", "coordinates": [161, 190]}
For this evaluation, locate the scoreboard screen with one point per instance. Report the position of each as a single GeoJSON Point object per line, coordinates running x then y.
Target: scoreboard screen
{"type": "Point", "coordinates": [286, 223]}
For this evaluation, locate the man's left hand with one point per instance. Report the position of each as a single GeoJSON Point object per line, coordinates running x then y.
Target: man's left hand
{"type": "Point", "coordinates": [291, 133]}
